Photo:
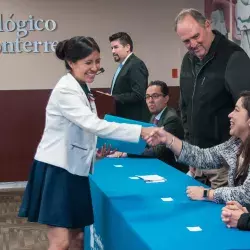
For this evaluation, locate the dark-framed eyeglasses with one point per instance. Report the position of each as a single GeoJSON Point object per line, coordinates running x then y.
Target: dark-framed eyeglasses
{"type": "Point", "coordinates": [153, 96]}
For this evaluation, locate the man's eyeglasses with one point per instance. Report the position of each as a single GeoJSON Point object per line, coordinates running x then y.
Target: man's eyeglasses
{"type": "Point", "coordinates": [153, 96]}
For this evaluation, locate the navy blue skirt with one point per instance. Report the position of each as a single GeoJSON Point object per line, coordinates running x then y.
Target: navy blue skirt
{"type": "Point", "coordinates": [55, 197]}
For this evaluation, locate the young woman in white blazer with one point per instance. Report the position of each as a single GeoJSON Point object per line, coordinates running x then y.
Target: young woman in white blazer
{"type": "Point", "coordinates": [58, 191]}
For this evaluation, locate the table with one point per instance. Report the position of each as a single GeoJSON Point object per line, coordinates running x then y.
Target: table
{"type": "Point", "coordinates": [130, 215]}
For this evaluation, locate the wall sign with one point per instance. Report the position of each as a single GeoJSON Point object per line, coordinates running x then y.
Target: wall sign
{"type": "Point", "coordinates": [22, 28]}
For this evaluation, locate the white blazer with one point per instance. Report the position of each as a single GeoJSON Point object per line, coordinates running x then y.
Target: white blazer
{"type": "Point", "coordinates": [69, 138]}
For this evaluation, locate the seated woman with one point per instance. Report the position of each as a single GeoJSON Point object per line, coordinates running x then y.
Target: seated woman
{"type": "Point", "coordinates": [233, 153]}
{"type": "Point", "coordinates": [234, 215]}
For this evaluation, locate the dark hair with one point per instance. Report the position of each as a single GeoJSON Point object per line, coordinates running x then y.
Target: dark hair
{"type": "Point", "coordinates": [76, 48]}
{"type": "Point", "coordinates": [244, 151]}
{"type": "Point", "coordinates": [195, 14]}
{"type": "Point", "coordinates": [163, 85]}
{"type": "Point", "coordinates": [124, 39]}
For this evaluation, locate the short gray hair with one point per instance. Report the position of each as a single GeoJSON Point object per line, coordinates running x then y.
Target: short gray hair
{"type": "Point", "coordinates": [195, 14]}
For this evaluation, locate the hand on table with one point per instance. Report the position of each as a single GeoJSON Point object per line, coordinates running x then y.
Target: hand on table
{"type": "Point", "coordinates": [104, 151]}
{"type": "Point", "coordinates": [231, 213]}
{"type": "Point", "coordinates": [192, 170]}
{"type": "Point", "coordinates": [235, 205]}
{"type": "Point", "coordinates": [231, 217]}
{"type": "Point", "coordinates": [195, 193]}
{"type": "Point", "coordinates": [117, 154]}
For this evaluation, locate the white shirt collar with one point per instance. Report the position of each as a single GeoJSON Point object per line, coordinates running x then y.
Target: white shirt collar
{"type": "Point", "coordinates": [158, 117]}
{"type": "Point", "coordinates": [126, 58]}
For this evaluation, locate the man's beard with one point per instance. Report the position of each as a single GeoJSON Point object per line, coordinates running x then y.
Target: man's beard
{"type": "Point", "coordinates": [116, 58]}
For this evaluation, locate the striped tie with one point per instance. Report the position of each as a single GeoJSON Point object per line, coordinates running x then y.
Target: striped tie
{"type": "Point", "coordinates": [155, 121]}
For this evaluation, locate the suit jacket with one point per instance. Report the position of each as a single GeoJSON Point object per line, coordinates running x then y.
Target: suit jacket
{"type": "Point", "coordinates": [171, 123]}
{"type": "Point", "coordinates": [244, 220]}
{"type": "Point", "coordinates": [69, 138]}
{"type": "Point", "coordinates": [130, 89]}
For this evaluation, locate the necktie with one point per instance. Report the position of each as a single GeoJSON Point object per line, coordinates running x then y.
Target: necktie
{"type": "Point", "coordinates": [115, 76]}
{"type": "Point", "coordinates": [155, 121]}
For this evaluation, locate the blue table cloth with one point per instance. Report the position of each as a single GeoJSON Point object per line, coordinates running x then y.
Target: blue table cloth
{"type": "Point", "coordinates": [130, 215]}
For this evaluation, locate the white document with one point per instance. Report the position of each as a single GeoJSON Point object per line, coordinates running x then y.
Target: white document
{"type": "Point", "coordinates": [167, 199]}
{"type": "Point", "coordinates": [152, 178]}
{"type": "Point", "coordinates": [134, 178]}
{"type": "Point", "coordinates": [118, 166]}
{"type": "Point", "coordinates": [194, 229]}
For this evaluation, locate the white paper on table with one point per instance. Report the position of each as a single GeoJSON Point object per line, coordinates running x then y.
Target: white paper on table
{"type": "Point", "coordinates": [118, 166]}
{"type": "Point", "coordinates": [167, 199]}
{"type": "Point", "coordinates": [155, 181]}
{"type": "Point", "coordinates": [194, 229]}
{"type": "Point", "coordinates": [152, 178]}
{"type": "Point", "coordinates": [134, 178]}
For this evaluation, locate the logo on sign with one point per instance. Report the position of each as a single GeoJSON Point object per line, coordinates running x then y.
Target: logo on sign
{"type": "Point", "coordinates": [23, 28]}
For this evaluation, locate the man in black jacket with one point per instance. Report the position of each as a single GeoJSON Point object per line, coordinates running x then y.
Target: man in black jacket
{"type": "Point", "coordinates": [130, 80]}
{"type": "Point", "coordinates": [213, 73]}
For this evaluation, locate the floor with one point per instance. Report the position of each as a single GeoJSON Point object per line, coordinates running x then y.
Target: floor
{"type": "Point", "coordinates": [16, 233]}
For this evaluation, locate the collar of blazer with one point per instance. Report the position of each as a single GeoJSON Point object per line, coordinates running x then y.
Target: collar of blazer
{"type": "Point", "coordinates": [131, 57]}
{"type": "Point", "coordinates": [163, 116]}
{"type": "Point", "coordinates": [124, 66]}
{"type": "Point", "coordinates": [72, 83]}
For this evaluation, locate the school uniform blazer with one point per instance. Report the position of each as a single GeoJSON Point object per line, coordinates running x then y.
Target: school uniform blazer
{"type": "Point", "coordinates": [69, 138]}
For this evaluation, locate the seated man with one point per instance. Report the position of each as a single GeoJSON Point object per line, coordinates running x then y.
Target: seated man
{"type": "Point", "coordinates": [157, 97]}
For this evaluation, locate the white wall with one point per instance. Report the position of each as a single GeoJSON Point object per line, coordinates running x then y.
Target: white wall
{"type": "Point", "coordinates": [150, 24]}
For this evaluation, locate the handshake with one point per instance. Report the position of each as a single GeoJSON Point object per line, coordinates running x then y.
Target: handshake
{"type": "Point", "coordinates": [152, 135]}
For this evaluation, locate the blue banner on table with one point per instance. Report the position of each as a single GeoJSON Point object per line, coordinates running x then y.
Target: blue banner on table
{"type": "Point", "coordinates": [128, 147]}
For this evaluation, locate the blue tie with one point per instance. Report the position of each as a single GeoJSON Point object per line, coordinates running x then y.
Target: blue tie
{"type": "Point", "coordinates": [115, 76]}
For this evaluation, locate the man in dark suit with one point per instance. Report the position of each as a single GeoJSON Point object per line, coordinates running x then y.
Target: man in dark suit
{"type": "Point", "coordinates": [130, 80]}
{"type": "Point", "coordinates": [157, 97]}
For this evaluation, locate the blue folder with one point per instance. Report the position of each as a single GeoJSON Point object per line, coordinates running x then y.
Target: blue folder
{"type": "Point", "coordinates": [122, 146]}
